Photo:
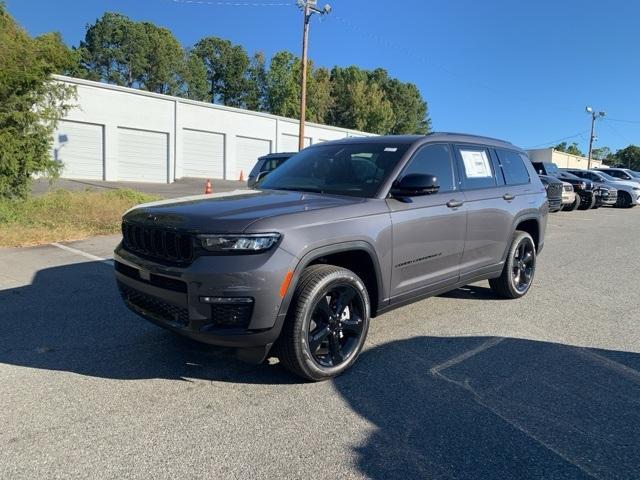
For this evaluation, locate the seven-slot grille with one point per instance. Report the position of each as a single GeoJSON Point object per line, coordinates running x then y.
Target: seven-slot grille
{"type": "Point", "coordinates": [158, 243]}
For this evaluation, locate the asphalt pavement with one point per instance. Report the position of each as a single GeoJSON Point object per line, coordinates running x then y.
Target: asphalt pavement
{"type": "Point", "coordinates": [460, 386]}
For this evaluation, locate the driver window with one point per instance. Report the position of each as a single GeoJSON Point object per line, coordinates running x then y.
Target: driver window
{"type": "Point", "coordinates": [433, 160]}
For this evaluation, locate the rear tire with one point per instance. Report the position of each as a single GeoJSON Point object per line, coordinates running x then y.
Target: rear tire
{"type": "Point", "coordinates": [573, 206]}
{"type": "Point", "coordinates": [326, 325]}
{"type": "Point", "coordinates": [519, 269]}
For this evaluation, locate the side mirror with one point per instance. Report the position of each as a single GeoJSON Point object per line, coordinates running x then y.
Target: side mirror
{"type": "Point", "coordinates": [415, 184]}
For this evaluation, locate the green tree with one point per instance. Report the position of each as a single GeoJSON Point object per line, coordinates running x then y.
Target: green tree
{"type": "Point", "coordinates": [629, 157]}
{"type": "Point", "coordinates": [359, 101]}
{"type": "Point", "coordinates": [30, 103]}
{"type": "Point", "coordinates": [195, 84]}
{"type": "Point", "coordinates": [226, 66]}
{"type": "Point", "coordinates": [603, 154]}
{"type": "Point", "coordinates": [163, 60]}
{"type": "Point", "coordinates": [256, 84]}
{"type": "Point", "coordinates": [114, 50]}
{"type": "Point", "coordinates": [283, 85]}
{"type": "Point", "coordinates": [319, 101]}
{"type": "Point", "coordinates": [409, 108]}
{"type": "Point", "coordinates": [572, 149]}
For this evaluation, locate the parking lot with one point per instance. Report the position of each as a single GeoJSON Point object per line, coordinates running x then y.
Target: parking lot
{"type": "Point", "coordinates": [458, 386]}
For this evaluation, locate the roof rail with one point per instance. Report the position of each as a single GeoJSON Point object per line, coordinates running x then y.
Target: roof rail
{"type": "Point", "coordinates": [471, 135]}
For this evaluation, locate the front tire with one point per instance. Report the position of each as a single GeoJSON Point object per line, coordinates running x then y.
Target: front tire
{"type": "Point", "coordinates": [519, 269]}
{"type": "Point", "coordinates": [588, 204]}
{"type": "Point", "coordinates": [327, 323]}
{"type": "Point", "coordinates": [624, 200]}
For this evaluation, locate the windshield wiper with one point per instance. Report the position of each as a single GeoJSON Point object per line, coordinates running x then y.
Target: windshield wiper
{"type": "Point", "coordinates": [300, 189]}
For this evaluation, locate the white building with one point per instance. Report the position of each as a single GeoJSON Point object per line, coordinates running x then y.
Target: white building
{"type": "Point", "coordinates": [561, 159]}
{"type": "Point", "coordinates": [118, 133]}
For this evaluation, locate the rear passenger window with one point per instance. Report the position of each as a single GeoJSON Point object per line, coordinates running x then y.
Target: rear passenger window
{"type": "Point", "coordinates": [475, 167]}
{"type": "Point", "coordinates": [515, 171]}
{"type": "Point", "coordinates": [433, 160]}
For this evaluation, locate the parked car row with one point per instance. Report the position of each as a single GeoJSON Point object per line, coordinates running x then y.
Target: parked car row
{"type": "Point", "coordinates": [573, 188]}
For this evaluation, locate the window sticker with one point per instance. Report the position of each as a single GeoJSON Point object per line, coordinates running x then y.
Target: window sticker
{"type": "Point", "coordinates": [391, 149]}
{"type": "Point", "coordinates": [476, 163]}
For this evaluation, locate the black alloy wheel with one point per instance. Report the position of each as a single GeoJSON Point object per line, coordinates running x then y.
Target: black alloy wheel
{"type": "Point", "coordinates": [327, 323]}
{"type": "Point", "coordinates": [336, 326]}
{"type": "Point", "coordinates": [523, 265]}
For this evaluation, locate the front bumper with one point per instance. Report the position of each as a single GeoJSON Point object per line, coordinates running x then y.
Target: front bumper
{"type": "Point", "coordinates": [245, 289]}
{"type": "Point", "coordinates": [568, 197]}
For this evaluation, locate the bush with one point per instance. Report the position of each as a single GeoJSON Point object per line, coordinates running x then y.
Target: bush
{"type": "Point", "coordinates": [30, 103]}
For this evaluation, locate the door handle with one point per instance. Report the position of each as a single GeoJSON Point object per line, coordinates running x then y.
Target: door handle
{"type": "Point", "coordinates": [454, 203]}
{"type": "Point", "coordinates": [508, 197]}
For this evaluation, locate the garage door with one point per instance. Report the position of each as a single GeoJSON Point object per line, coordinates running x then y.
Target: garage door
{"type": "Point", "coordinates": [203, 154]}
{"type": "Point", "coordinates": [289, 143]}
{"type": "Point", "coordinates": [247, 152]}
{"type": "Point", "coordinates": [142, 155]}
{"type": "Point", "coordinates": [82, 154]}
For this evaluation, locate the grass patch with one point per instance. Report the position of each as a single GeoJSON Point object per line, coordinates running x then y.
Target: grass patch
{"type": "Point", "coordinates": [62, 215]}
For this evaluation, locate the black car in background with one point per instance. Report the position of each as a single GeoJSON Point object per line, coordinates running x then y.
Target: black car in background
{"type": "Point", "coordinates": [585, 197]}
{"type": "Point", "coordinates": [553, 186]}
{"type": "Point", "coordinates": [265, 165]}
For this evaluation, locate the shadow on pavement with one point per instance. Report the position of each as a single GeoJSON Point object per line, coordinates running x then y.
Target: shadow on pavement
{"type": "Point", "coordinates": [71, 318]}
{"type": "Point", "coordinates": [493, 408]}
{"type": "Point", "coordinates": [465, 407]}
{"type": "Point", "coordinates": [472, 292]}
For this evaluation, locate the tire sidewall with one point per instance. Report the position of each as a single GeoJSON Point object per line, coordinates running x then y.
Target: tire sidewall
{"type": "Point", "coordinates": [517, 240]}
{"type": "Point", "coordinates": [303, 319]}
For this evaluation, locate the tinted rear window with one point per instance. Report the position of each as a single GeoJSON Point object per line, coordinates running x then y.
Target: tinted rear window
{"type": "Point", "coordinates": [515, 171]}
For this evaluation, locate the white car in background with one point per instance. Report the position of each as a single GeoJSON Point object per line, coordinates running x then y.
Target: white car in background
{"type": "Point", "coordinates": [620, 174]}
{"type": "Point", "coordinates": [628, 192]}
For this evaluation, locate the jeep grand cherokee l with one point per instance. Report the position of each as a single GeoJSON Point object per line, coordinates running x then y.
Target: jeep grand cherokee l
{"type": "Point", "coordinates": [340, 233]}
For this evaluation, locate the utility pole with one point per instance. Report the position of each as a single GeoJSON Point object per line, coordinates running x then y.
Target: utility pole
{"type": "Point", "coordinates": [308, 8]}
{"type": "Point", "coordinates": [594, 116]}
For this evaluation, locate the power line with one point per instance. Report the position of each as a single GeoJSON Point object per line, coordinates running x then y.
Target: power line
{"type": "Point", "coordinates": [623, 121]}
{"type": "Point", "coordinates": [580, 134]}
{"type": "Point", "coordinates": [617, 132]}
{"type": "Point", "coordinates": [233, 4]}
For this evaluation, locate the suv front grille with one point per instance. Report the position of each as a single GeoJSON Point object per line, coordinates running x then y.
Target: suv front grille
{"type": "Point", "coordinates": [554, 190]}
{"type": "Point", "coordinates": [153, 307]}
{"type": "Point", "coordinates": [158, 243]}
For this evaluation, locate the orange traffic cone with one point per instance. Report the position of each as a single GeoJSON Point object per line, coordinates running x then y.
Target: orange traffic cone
{"type": "Point", "coordinates": [207, 186]}
{"type": "Point", "coordinates": [241, 176]}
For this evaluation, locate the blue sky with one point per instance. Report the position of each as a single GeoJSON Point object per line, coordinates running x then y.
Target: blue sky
{"type": "Point", "coordinates": [514, 69]}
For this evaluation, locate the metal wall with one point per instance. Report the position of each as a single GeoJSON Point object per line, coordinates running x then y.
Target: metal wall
{"type": "Point", "coordinates": [118, 133]}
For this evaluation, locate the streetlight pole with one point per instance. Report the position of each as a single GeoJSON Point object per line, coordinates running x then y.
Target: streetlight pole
{"type": "Point", "coordinates": [308, 8]}
{"type": "Point", "coordinates": [594, 116]}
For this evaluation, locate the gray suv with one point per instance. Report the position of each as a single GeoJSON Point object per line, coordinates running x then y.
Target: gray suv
{"type": "Point", "coordinates": [340, 233]}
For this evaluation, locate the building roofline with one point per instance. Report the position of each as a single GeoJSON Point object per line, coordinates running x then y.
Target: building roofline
{"type": "Point", "coordinates": [171, 98]}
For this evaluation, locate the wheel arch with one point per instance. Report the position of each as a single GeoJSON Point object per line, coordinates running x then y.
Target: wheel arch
{"type": "Point", "coordinates": [358, 256]}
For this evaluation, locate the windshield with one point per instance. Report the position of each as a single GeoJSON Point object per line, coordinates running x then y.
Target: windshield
{"type": "Point", "coordinates": [607, 177]}
{"type": "Point", "coordinates": [551, 168]}
{"type": "Point", "coordinates": [356, 169]}
{"type": "Point", "coordinates": [633, 174]}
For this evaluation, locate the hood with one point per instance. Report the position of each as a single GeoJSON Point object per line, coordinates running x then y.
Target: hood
{"type": "Point", "coordinates": [230, 212]}
{"type": "Point", "coordinates": [624, 183]}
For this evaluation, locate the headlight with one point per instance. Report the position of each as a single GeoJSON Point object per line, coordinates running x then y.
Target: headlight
{"type": "Point", "coordinates": [258, 242]}
{"type": "Point", "coordinates": [583, 185]}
